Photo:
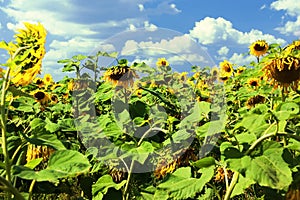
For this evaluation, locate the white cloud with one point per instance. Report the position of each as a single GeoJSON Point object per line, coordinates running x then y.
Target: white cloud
{"type": "Point", "coordinates": [223, 51]}
{"type": "Point", "coordinates": [291, 27]}
{"type": "Point", "coordinates": [173, 6]}
{"type": "Point", "coordinates": [211, 30]}
{"type": "Point", "coordinates": [141, 7]}
{"type": "Point", "coordinates": [177, 50]}
{"type": "Point", "coordinates": [292, 7]}
{"type": "Point", "coordinates": [241, 59]}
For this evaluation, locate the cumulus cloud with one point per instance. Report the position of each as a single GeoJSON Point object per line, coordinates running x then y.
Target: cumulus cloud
{"type": "Point", "coordinates": [178, 50]}
{"type": "Point", "coordinates": [211, 30]}
{"type": "Point", "coordinates": [223, 51]}
{"type": "Point", "coordinates": [241, 59]}
{"type": "Point", "coordinates": [292, 8]}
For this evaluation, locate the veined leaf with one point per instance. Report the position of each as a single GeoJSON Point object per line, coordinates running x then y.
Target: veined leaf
{"type": "Point", "coordinates": [62, 164]}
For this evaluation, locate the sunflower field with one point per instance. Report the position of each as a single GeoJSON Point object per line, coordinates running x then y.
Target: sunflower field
{"type": "Point", "coordinates": [134, 131]}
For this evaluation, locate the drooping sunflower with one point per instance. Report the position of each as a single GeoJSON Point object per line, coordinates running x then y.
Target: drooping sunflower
{"type": "Point", "coordinates": [294, 46]}
{"type": "Point", "coordinates": [253, 101]}
{"type": "Point", "coordinates": [28, 52]}
{"type": "Point", "coordinates": [259, 48]}
{"type": "Point", "coordinates": [120, 76]}
{"type": "Point", "coordinates": [226, 68]}
{"type": "Point", "coordinates": [283, 71]}
{"type": "Point", "coordinates": [35, 151]}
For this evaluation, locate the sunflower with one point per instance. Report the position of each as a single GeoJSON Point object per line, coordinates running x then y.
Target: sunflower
{"type": "Point", "coordinates": [259, 48]}
{"type": "Point", "coordinates": [54, 99]}
{"type": "Point", "coordinates": [35, 151]}
{"type": "Point", "coordinates": [254, 82]}
{"type": "Point", "coordinates": [162, 62]}
{"type": "Point", "coordinates": [48, 80]}
{"type": "Point", "coordinates": [41, 97]}
{"type": "Point", "coordinates": [253, 101]}
{"type": "Point", "coordinates": [224, 78]}
{"type": "Point", "coordinates": [283, 71]}
{"type": "Point", "coordinates": [240, 70]}
{"type": "Point", "coordinates": [120, 76]}
{"type": "Point", "coordinates": [1, 72]}
{"type": "Point", "coordinates": [294, 46]}
{"type": "Point", "coordinates": [29, 50]}
{"type": "Point", "coordinates": [222, 174]}
{"type": "Point", "coordinates": [226, 68]}
{"type": "Point", "coordinates": [39, 82]}
{"type": "Point", "coordinates": [163, 168]}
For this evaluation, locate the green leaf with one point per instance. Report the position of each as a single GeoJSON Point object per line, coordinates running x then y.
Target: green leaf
{"type": "Point", "coordinates": [254, 123]}
{"type": "Point", "coordinates": [79, 57]}
{"type": "Point", "coordinates": [64, 61]}
{"type": "Point", "coordinates": [210, 128]}
{"type": "Point", "coordinates": [61, 164]}
{"type": "Point", "coordinates": [50, 126]}
{"type": "Point", "coordinates": [24, 104]}
{"type": "Point", "coordinates": [291, 107]}
{"type": "Point", "coordinates": [204, 162]}
{"type": "Point", "coordinates": [246, 137]}
{"type": "Point", "coordinates": [100, 188]}
{"type": "Point", "coordinates": [180, 185]}
{"type": "Point", "coordinates": [270, 170]}
{"type": "Point", "coordinates": [33, 163]}
{"type": "Point", "coordinates": [293, 144]}
{"type": "Point", "coordinates": [68, 67]}
{"type": "Point", "coordinates": [242, 184]}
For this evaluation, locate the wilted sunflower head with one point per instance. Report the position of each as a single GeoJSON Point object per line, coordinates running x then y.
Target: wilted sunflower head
{"type": "Point", "coordinates": [284, 71]}
{"type": "Point", "coordinates": [292, 47]}
{"type": "Point", "coordinates": [226, 68]}
{"type": "Point", "coordinates": [120, 76]}
{"type": "Point", "coordinates": [253, 101]}
{"type": "Point", "coordinates": [259, 48]}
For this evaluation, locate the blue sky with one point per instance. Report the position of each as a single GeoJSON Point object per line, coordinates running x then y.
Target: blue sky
{"type": "Point", "coordinates": [145, 29]}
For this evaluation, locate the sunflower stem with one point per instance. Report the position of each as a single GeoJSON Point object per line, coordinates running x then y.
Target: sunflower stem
{"type": "Point", "coordinates": [3, 126]}
{"type": "Point", "coordinates": [283, 96]}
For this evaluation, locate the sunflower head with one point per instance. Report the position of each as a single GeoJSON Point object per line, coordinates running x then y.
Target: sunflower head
{"type": "Point", "coordinates": [48, 80]}
{"type": "Point", "coordinates": [39, 82]}
{"type": "Point", "coordinates": [120, 76]}
{"type": "Point", "coordinates": [240, 70]}
{"type": "Point", "coordinates": [283, 71]}
{"type": "Point", "coordinates": [292, 47]}
{"type": "Point", "coordinates": [29, 50]}
{"type": "Point", "coordinates": [226, 68]}
{"type": "Point", "coordinates": [259, 48]}
{"type": "Point", "coordinates": [41, 97]}
{"type": "Point", "coordinates": [223, 78]}
{"type": "Point", "coordinates": [162, 62]}
{"type": "Point", "coordinates": [253, 101]}
{"type": "Point", "coordinates": [253, 82]}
